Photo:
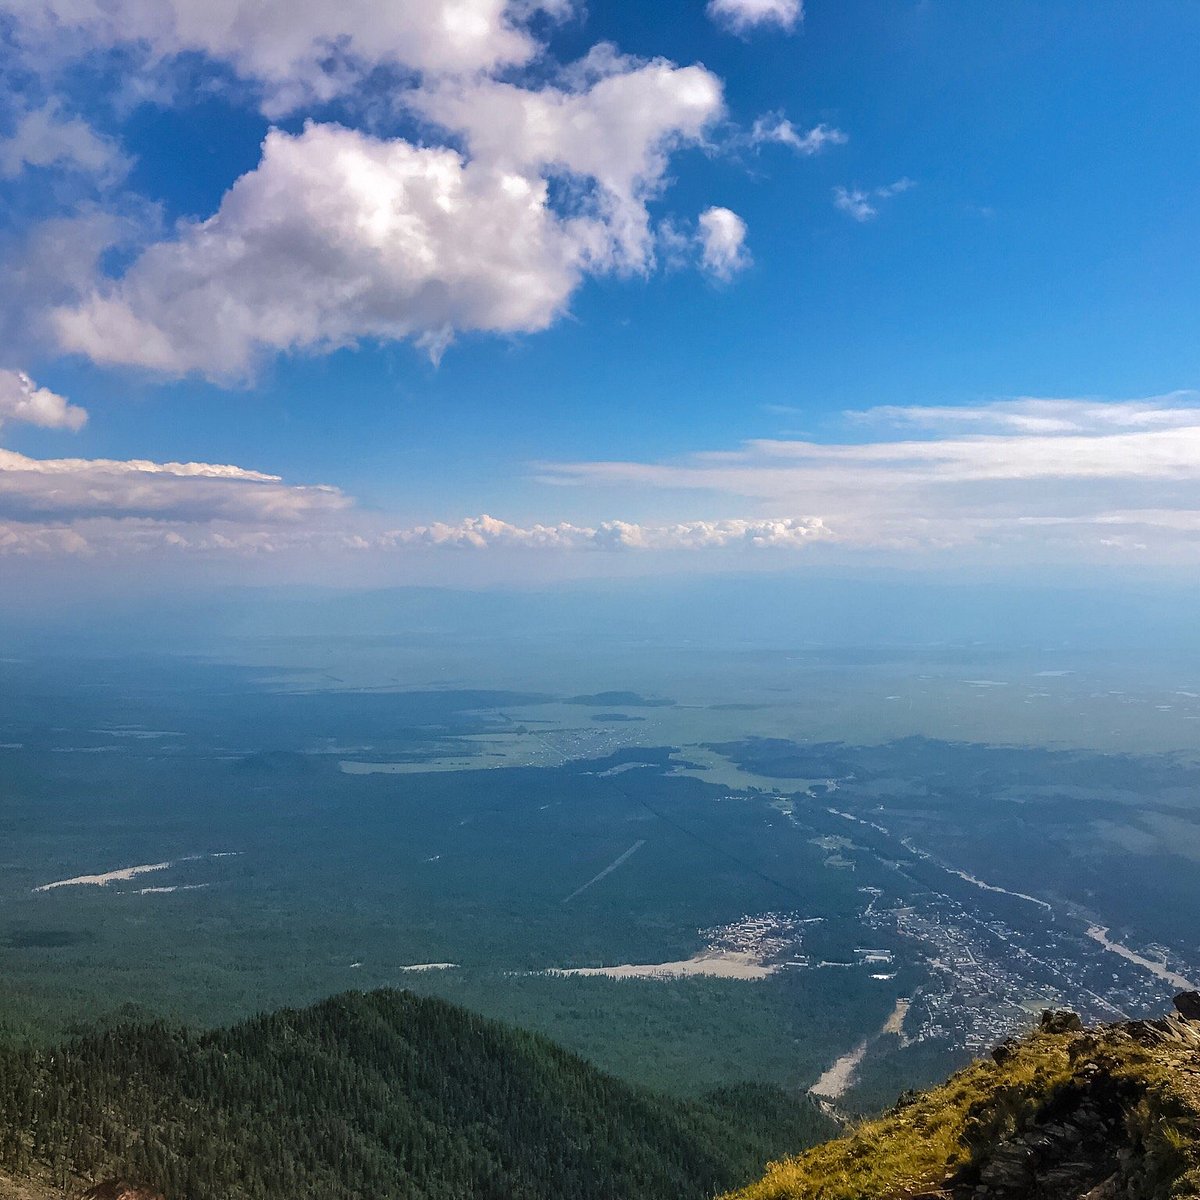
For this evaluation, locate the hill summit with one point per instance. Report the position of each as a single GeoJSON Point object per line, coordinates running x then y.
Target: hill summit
{"type": "Point", "coordinates": [1065, 1113]}
{"type": "Point", "coordinates": [366, 1096]}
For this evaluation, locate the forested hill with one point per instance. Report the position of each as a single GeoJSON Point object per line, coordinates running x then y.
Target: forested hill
{"type": "Point", "coordinates": [365, 1096]}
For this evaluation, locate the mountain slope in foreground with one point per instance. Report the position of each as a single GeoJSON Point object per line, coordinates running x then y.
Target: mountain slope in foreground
{"type": "Point", "coordinates": [379, 1096]}
{"type": "Point", "coordinates": [1063, 1114]}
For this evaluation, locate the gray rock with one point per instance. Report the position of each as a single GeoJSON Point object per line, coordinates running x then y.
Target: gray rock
{"type": "Point", "coordinates": [1187, 1004]}
{"type": "Point", "coordinates": [1061, 1020]}
{"type": "Point", "coordinates": [1110, 1189]}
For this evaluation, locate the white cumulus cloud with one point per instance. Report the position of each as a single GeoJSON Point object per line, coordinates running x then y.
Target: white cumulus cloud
{"type": "Point", "coordinates": [125, 536]}
{"type": "Point", "coordinates": [722, 235]}
{"type": "Point", "coordinates": [484, 532]}
{"type": "Point", "coordinates": [744, 15]}
{"type": "Point", "coordinates": [612, 131]}
{"type": "Point", "coordinates": [299, 50]}
{"type": "Point", "coordinates": [46, 137]}
{"type": "Point", "coordinates": [22, 400]}
{"type": "Point", "coordinates": [337, 236]}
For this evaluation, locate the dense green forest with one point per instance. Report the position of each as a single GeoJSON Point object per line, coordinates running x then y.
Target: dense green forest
{"type": "Point", "coordinates": [381, 1094]}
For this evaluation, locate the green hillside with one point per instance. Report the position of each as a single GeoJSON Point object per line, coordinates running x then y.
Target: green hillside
{"type": "Point", "coordinates": [383, 1094]}
{"type": "Point", "coordinates": [1067, 1113]}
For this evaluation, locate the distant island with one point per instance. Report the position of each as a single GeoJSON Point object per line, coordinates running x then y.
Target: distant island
{"type": "Point", "coordinates": [619, 700]}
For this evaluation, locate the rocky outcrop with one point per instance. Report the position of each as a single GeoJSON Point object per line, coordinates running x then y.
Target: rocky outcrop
{"type": "Point", "coordinates": [1090, 1140]}
{"type": "Point", "coordinates": [1187, 1004]}
{"type": "Point", "coordinates": [1067, 1113]}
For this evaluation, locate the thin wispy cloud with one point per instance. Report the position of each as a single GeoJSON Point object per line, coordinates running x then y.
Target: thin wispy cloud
{"type": "Point", "coordinates": [1030, 415]}
{"type": "Point", "coordinates": [1059, 478]}
{"type": "Point", "coordinates": [864, 205]}
{"type": "Point", "coordinates": [35, 489]}
{"type": "Point", "coordinates": [47, 136]}
{"type": "Point", "coordinates": [21, 400]}
{"type": "Point", "coordinates": [91, 507]}
{"type": "Point", "coordinates": [1033, 472]}
{"type": "Point", "coordinates": [777, 129]}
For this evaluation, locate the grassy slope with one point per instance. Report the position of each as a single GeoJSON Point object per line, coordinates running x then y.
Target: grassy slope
{"type": "Point", "coordinates": [943, 1138]}
{"type": "Point", "coordinates": [23, 1189]}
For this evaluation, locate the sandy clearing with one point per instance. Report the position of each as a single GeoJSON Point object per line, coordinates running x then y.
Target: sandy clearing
{"type": "Point", "coordinates": [1099, 934]}
{"type": "Point", "coordinates": [722, 964]}
{"type": "Point", "coordinates": [835, 1082]}
{"type": "Point", "coordinates": [895, 1023]}
{"type": "Point", "coordinates": [124, 874]}
{"type": "Point", "coordinates": [621, 768]}
{"type": "Point", "coordinates": [838, 1078]}
{"type": "Point", "coordinates": [120, 875]}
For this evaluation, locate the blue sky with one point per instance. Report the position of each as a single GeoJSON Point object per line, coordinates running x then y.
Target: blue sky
{"type": "Point", "coordinates": [988, 252]}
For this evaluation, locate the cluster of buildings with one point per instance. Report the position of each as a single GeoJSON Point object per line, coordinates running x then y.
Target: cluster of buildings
{"type": "Point", "coordinates": [773, 938]}
{"type": "Point", "coordinates": [988, 980]}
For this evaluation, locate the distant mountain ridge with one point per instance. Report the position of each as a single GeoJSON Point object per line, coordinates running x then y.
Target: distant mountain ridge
{"type": "Point", "coordinates": [367, 1096]}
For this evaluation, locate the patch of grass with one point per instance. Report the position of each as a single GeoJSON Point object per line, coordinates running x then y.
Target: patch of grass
{"type": "Point", "coordinates": [941, 1136]}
